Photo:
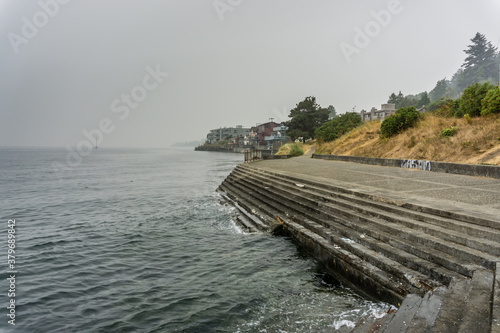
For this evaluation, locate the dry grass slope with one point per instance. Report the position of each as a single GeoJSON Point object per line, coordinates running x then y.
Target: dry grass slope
{"type": "Point", "coordinates": [476, 142]}
{"type": "Point", "coordinates": [306, 147]}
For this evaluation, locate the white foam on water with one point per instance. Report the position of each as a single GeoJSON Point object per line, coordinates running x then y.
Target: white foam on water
{"type": "Point", "coordinates": [349, 318]}
{"type": "Point", "coordinates": [338, 324]}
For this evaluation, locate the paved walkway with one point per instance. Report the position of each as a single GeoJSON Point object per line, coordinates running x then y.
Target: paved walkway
{"type": "Point", "coordinates": [474, 196]}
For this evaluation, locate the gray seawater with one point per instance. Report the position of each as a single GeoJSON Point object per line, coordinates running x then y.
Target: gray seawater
{"type": "Point", "coordinates": [136, 240]}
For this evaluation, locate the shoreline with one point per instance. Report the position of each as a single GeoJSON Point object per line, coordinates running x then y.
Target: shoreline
{"type": "Point", "coordinates": [405, 236]}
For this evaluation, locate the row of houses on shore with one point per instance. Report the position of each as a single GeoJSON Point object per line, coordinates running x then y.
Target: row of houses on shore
{"type": "Point", "coordinates": [272, 135]}
{"type": "Point", "coordinates": [269, 135]}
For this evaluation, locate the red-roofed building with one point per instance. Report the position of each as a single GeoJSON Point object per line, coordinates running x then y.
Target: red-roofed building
{"type": "Point", "coordinates": [264, 130]}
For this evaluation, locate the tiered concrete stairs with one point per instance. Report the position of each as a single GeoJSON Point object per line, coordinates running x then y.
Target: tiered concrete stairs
{"type": "Point", "coordinates": [436, 266]}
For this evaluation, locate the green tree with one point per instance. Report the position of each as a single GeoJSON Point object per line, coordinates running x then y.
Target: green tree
{"type": "Point", "coordinates": [306, 117]}
{"type": "Point", "coordinates": [398, 99]}
{"type": "Point", "coordinates": [423, 100]}
{"type": "Point", "coordinates": [481, 63]}
{"type": "Point", "coordinates": [402, 101]}
{"type": "Point", "coordinates": [392, 99]}
{"type": "Point", "coordinates": [403, 118]}
{"type": "Point", "coordinates": [491, 101]}
{"type": "Point", "coordinates": [439, 90]}
{"type": "Point", "coordinates": [337, 127]}
{"type": "Point", "coordinates": [471, 100]}
{"type": "Point", "coordinates": [332, 113]}
{"type": "Point", "coordinates": [481, 53]}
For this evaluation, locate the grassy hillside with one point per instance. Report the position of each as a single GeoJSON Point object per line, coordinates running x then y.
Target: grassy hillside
{"type": "Point", "coordinates": [296, 149]}
{"type": "Point", "coordinates": [475, 142]}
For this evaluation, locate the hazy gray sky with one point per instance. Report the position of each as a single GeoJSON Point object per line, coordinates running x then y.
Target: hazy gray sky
{"type": "Point", "coordinates": [73, 66]}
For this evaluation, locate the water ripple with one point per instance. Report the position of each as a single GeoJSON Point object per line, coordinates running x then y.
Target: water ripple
{"type": "Point", "coordinates": [137, 241]}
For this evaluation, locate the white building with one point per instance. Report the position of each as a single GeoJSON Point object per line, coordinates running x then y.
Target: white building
{"type": "Point", "coordinates": [385, 111]}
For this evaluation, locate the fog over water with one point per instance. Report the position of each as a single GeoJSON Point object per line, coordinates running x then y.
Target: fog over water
{"type": "Point", "coordinates": [68, 65]}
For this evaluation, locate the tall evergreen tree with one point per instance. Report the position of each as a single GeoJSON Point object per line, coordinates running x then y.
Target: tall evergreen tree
{"type": "Point", "coordinates": [392, 99]}
{"type": "Point", "coordinates": [423, 100]}
{"type": "Point", "coordinates": [480, 53]}
{"type": "Point", "coordinates": [307, 116]}
{"type": "Point", "coordinates": [332, 113]}
{"type": "Point", "coordinates": [481, 62]}
{"type": "Point", "coordinates": [439, 90]}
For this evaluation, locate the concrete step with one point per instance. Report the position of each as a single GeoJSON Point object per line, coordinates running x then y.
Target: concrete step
{"type": "Point", "coordinates": [403, 316]}
{"type": "Point", "coordinates": [451, 316]}
{"type": "Point", "coordinates": [246, 222]}
{"type": "Point", "coordinates": [482, 238]}
{"type": "Point", "coordinates": [466, 306]}
{"type": "Point", "coordinates": [436, 212]}
{"type": "Point", "coordinates": [411, 261]}
{"type": "Point", "coordinates": [409, 279]}
{"type": "Point", "coordinates": [257, 213]}
{"type": "Point", "coordinates": [466, 241]}
{"type": "Point", "coordinates": [478, 307]}
{"type": "Point", "coordinates": [352, 270]}
{"type": "Point", "coordinates": [397, 251]}
{"type": "Point", "coordinates": [475, 237]}
{"type": "Point", "coordinates": [361, 224]}
{"type": "Point", "coordinates": [341, 261]}
{"type": "Point", "coordinates": [427, 312]}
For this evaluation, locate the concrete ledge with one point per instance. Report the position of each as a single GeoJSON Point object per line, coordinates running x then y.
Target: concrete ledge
{"type": "Point", "coordinates": [216, 149]}
{"type": "Point", "coordinates": [276, 157]}
{"type": "Point", "coordinates": [495, 317]}
{"type": "Point", "coordinates": [491, 171]}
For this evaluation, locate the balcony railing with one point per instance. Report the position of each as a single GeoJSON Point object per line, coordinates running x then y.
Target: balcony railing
{"type": "Point", "coordinates": [275, 137]}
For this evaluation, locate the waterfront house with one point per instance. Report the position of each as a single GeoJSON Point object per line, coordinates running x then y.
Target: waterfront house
{"type": "Point", "coordinates": [225, 133]}
{"type": "Point", "coordinates": [385, 111]}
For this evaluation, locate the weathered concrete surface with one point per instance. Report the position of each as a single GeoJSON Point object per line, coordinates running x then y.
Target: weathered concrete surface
{"type": "Point", "coordinates": [480, 170]}
{"type": "Point", "coordinates": [429, 242]}
{"type": "Point", "coordinates": [276, 157]}
{"type": "Point", "coordinates": [476, 196]}
{"type": "Point", "coordinates": [495, 325]}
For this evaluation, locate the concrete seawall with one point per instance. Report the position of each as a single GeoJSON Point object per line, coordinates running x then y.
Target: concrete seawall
{"type": "Point", "coordinates": [266, 153]}
{"type": "Point", "coordinates": [491, 171]}
{"type": "Point", "coordinates": [428, 243]}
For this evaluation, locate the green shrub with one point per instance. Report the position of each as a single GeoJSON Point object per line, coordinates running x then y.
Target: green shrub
{"type": "Point", "coordinates": [471, 100]}
{"type": "Point", "coordinates": [295, 150]}
{"type": "Point", "coordinates": [403, 118]}
{"type": "Point", "coordinates": [467, 118]}
{"type": "Point", "coordinates": [338, 126]}
{"type": "Point", "coordinates": [491, 102]}
{"type": "Point", "coordinates": [444, 107]}
{"type": "Point", "coordinates": [436, 105]}
{"type": "Point", "coordinates": [447, 132]}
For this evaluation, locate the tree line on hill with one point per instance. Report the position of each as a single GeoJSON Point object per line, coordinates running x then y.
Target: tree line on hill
{"type": "Point", "coordinates": [470, 92]}
{"type": "Point", "coordinates": [481, 65]}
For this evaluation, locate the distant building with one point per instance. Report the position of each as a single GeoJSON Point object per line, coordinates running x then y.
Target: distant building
{"type": "Point", "coordinates": [252, 138]}
{"type": "Point", "coordinates": [264, 130]}
{"type": "Point", "coordinates": [385, 111]}
{"type": "Point", "coordinates": [278, 135]}
{"type": "Point", "coordinates": [226, 133]}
